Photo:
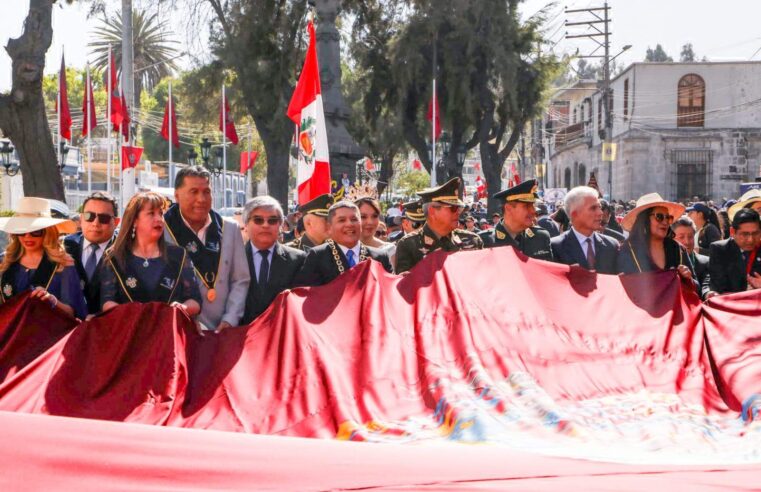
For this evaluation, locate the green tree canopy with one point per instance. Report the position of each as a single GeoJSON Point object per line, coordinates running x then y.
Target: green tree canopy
{"type": "Point", "coordinates": [658, 54]}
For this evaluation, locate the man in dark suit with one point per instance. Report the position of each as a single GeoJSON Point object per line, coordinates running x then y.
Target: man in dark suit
{"type": "Point", "coordinates": [684, 233]}
{"type": "Point", "coordinates": [582, 244]}
{"type": "Point", "coordinates": [273, 267]}
{"type": "Point", "coordinates": [735, 263]}
{"type": "Point", "coordinates": [544, 220]}
{"type": "Point", "coordinates": [98, 222]}
{"type": "Point", "coordinates": [342, 251]}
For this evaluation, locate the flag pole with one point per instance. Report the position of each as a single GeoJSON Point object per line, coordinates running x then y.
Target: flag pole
{"type": "Point", "coordinates": [433, 121]}
{"type": "Point", "coordinates": [88, 97]}
{"type": "Point", "coordinates": [249, 191]}
{"type": "Point", "coordinates": [58, 150]}
{"type": "Point", "coordinates": [171, 120]}
{"type": "Point", "coordinates": [109, 90]}
{"type": "Point", "coordinates": [224, 149]}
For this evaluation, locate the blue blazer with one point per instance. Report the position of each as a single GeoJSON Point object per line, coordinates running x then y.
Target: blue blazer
{"type": "Point", "coordinates": [566, 249]}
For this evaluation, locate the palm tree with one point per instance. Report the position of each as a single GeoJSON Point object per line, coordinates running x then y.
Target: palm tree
{"type": "Point", "coordinates": [154, 53]}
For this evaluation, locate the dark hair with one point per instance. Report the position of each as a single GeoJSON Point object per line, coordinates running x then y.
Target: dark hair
{"type": "Point", "coordinates": [683, 221]}
{"type": "Point", "coordinates": [640, 233]}
{"type": "Point", "coordinates": [745, 216]}
{"type": "Point", "coordinates": [368, 201]}
{"type": "Point", "coordinates": [605, 206]}
{"type": "Point", "coordinates": [124, 239]}
{"type": "Point", "coordinates": [724, 223]}
{"type": "Point", "coordinates": [192, 172]}
{"type": "Point", "coordinates": [102, 196]}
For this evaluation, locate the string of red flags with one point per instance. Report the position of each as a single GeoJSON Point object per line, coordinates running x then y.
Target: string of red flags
{"type": "Point", "coordinates": [226, 120]}
{"type": "Point", "coordinates": [169, 108]}
{"type": "Point", "coordinates": [247, 160]}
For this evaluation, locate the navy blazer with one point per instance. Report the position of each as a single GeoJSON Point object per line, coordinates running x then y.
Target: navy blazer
{"type": "Point", "coordinates": [91, 289]}
{"type": "Point", "coordinates": [285, 264]}
{"type": "Point", "coordinates": [566, 249]}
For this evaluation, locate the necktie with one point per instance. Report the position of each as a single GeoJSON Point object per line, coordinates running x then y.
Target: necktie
{"type": "Point", "coordinates": [350, 258]}
{"type": "Point", "coordinates": [264, 267]}
{"type": "Point", "coordinates": [92, 261]}
{"type": "Point", "coordinates": [590, 254]}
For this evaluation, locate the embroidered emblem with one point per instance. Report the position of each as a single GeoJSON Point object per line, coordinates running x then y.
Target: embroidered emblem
{"type": "Point", "coordinates": [192, 247]}
{"type": "Point", "coordinates": [529, 233]}
{"type": "Point", "coordinates": [428, 240]}
{"type": "Point", "coordinates": [7, 290]}
{"type": "Point", "coordinates": [212, 246]}
{"type": "Point", "coordinates": [167, 283]}
{"type": "Point", "coordinates": [500, 234]}
{"type": "Point", "coordinates": [131, 282]}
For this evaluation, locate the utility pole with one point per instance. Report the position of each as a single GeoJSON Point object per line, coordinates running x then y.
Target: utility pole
{"type": "Point", "coordinates": [128, 175]}
{"type": "Point", "coordinates": [599, 16]}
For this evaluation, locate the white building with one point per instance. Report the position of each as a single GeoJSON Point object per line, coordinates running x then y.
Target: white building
{"type": "Point", "coordinates": [681, 129]}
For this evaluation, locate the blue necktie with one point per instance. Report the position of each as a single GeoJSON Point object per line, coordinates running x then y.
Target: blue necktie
{"type": "Point", "coordinates": [92, 261]}
{"type": "Point", "coordinates": [350, 258]}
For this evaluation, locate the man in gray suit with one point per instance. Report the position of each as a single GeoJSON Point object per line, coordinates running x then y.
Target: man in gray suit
{"type": "Point", "coordinates": [214, 244]}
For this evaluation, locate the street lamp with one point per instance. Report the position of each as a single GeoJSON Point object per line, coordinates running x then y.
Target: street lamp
{"type": "Point", "coordinates": [6, 151]}
{"type": "Point", "coordinates": [217, 167]}
{"type": "Point", "coordinates": [461, 155]}
{"type": "Point", "coordinates": [64, 150]}
{"type": "Point", "coordinates": [446, 143]}
{"type": "Point", "coordinates": [205, 148]}
{"type": "Point", "coordinates": [192, 156]}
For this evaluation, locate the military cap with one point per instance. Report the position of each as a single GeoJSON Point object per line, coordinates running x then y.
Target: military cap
{"type": "Point", "coordinates": [524, 192]}
{"type": "Point", "coordinates": [318, 206]}
{"type": "Point", "coordinates": [414, 211]}
{"type": "Point", "coordinates": [447, 194]}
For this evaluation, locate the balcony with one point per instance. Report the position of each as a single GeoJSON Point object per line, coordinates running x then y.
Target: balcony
{"type": "Point", "coordinates": [572, 135]}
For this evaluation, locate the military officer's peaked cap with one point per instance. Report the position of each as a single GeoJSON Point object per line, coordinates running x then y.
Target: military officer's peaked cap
{"type": "Point", "coordinates": [318, 206]}
{"type": "Point", "coordinates": [524, 192]}
{"type": "Point", "coordinates": [414, 211]}
{"type": "Point", "coordinates": [447, 194]}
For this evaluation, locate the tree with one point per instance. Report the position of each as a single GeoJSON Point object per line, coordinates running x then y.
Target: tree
{"type": "Point", "coordinates": [587, 71]}
{"type": "Point", "coordinates": [657, 55]}
{"type": "Point", "coordinates": [687, 54]}
{"type": "Point", "coordinates": [153, 50]}
{"type": "Point", "coordinates": [22, 111]}
{"type": "Point", "coordinates": [412, 181]}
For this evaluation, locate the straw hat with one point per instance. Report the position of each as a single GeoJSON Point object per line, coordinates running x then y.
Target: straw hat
{"type": "Point", "coordinates": [750, 196]}
{"type": "Point", "coordinates": [32, 215]}
{"type": "Point", "coordinates": [649, 201]}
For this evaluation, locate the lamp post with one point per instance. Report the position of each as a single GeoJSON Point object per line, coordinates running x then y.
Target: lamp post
{"type": "Point", "coordinates": [64, 152]}
{"type": "Point", "coordinates": [6, 151]}
{"type": "Point", "coordinates": [218, 158]}
{"type": "Point", "coordinates": [205, 148]}
{"type": "Point", "coordinates": [192, 156]}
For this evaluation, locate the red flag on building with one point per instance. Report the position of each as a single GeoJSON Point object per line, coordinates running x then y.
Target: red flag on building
{"type": "Point", "coordinates": [247, 160]}
{"type": "Point", "coordinates": [63, 111]}
{"type": "Point", "coordinates": [480, 187]}
{"type": "Point", "coordinates": [229, 124]}
{"type": "Point", "coordinates": [437, 124]}
{"type": "Point", "coordinates": [125, 118]}
{"type": "Point", "coordinates": [165, 128]}
{"type": "Point", "coordinates": [113, 92]}
{"type": "Point", "coordinates": [88, 113]}
{"type": "Point", "coordinates": [477, 166]}
{"type": "Point", "coordinates": [130, 156]}
{"type": "Point", "coordinates": [417, 165]}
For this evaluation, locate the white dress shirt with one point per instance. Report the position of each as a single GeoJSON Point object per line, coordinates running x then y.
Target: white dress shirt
{"type": "Point", "coordinates": [356, 249]}
{"type": "Point", "coordinates": [584, 243]}
{"type": "Point", "coordinates": [258, 260]}
{"type": "Point", "coordinates": [87, 251]}
{"type": "Point", "coordinates": [202, 233]}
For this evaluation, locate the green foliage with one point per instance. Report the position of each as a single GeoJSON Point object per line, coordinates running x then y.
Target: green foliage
{"type": "Point", "coordinates": [657, 55]}
{"type": "Point", "coordinates": [410, 181]}
{"type": "Point", "coordinates": [687, 54]}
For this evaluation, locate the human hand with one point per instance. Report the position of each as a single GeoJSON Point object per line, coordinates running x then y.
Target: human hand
{"type": "Point", "coordinates": [684, 272]}
{"type": "Point", "coordinates": [182, 307]}
{"type": "Point", "coordinates": [222, 326]}
{"type": "Point", "coordinates": [43, 295]}
{"type": "Point", "coordinates": [711, 294]}
{"type": "Point", "coordinates": [754, 281]}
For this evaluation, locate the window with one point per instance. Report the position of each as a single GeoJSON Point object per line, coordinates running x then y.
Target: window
{"type": "Point", "coordinates": [575, 115]}
{"type": "Point", "coordinates": [693, 171]}
{"type": "Point", "coordinates": [691, 101]}
{"type": "Point", "coordinates": [582, 175]}
{"type": "Point", "coordinates": [567, 178]}
{"type": "Point", "coordinates": [626, 99]}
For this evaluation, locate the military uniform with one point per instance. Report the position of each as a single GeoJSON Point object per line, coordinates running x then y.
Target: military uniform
{"type": "Point", "coordinates": [413, 211]}
{"type": "Point", "coordinates": [319, 207]}
{"type": "Point", "coordinates": [533, 242]}
{"type": "Point", "coordinates": [416, 245]}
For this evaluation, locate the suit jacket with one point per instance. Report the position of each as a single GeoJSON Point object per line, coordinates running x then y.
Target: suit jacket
{"type": "Point", "coordinates": [534, 242]}
{"type": "Point", "coordinates": [90, 288]}
{"type": "Point", "coordinates": [232, 282]}
{"type": "Point", "coordinates": [700, 263]}
{"type": "Point", "coordinates": [284, 266]}
{"type": "Point", "coordinates": [566, 249]}
{"type": "Point", "coordinates": [727, 268]}
{"type": "Point", "coordinates": [320, 267]}
{"type": "Point", "coordinates": [549, 225]}
{"type": "Point", "coordinates": [614, 234]}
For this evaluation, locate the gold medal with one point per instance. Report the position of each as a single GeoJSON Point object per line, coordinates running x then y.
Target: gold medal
{"type": "Point", "coordinates": [211, 295]}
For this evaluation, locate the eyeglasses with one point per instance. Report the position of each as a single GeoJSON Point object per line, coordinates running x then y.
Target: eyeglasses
{"type": "Point", "coordinates": [748, 235]}
{"type": "Point", "coordinates": [661, 217]}
{"type": "Point", "coordinates": [455, 209]}
{"type": "Point", "coordinates": [102, 218]}
{"type": "Point", "coordinates": [380, 233]}
{"type": "Point", "coordinates": [261, 220]}
{"type": "Point", "coordinates": [39, 233]}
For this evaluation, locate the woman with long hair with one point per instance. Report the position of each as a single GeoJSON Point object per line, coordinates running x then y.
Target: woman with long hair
{"type": "Point", "coordinates": [650, 246]}
{"type": "Point", "coordinates": [707, 223]}
{"type": "Point", "coordinates": [142, 267]}
{"type": "Point", "coordinates": [36, 260]}
{"type": "Point", "coordinates": [370, 216]}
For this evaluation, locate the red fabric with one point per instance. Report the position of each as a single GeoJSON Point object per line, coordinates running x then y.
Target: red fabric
{"type": "Point", "coordinates": [247, 160]}
{"type": "Point", "coordinates": [130, 156]}
{"type": "Point", "coordinates": [429, 115]}
{"type": "Point", "coordinates": [125, 119]}
{"type": "Point", "coordinates": [165, 124]}
{"type": "Point", "coordinates": [417, 165]}
{"type": "Point", "coordinates": [113, 90]}
{"type": "Point", "coordinates": [308, 87]}
{"type": "Point", "coordinates": [87, 100]}
{"type": "Point", "coordinates": [64, 111]}
{"type": "Point", "coordinates": [226, 121]}
{"type": "Point", "coordinates": [369, 165]}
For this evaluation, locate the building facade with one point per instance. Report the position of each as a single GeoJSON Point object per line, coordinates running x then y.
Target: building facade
{"type": "Point", "coordinates": [683, 130]}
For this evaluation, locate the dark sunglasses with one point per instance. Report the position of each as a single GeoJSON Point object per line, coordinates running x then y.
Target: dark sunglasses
{"type": "Point", "coordinates": [102, 218]}
{"type": "Point", "coordinates": [39, 233]}
{"type": "Point", "coordinates": [455, 209]}
{"type": "Point", "coordinates": [661, 217]}
{"type": "Point", "coordinates": [270, 220]}
{"type": "Point", "coordinates": [380, 233]}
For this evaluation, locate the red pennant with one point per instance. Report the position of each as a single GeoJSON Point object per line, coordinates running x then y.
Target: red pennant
{"type": "Point", "coordinates": [130, 156]}
{"type": "Point", "coordinates": [165, 124]}
{"type": "Point", "coordinates": [437, 124]}
{"type": "Point", "coordinates": [247, 160]}
{"type": "Point", "coordinates": [116, 100]}
{"type": "Point", "coordinates": [64, 111]}
{"type": "Point", "coordinates": [125, 119]}
{"type": "Point", "coordinates": [229, 124]}
{"type": "Point", "coordinates": [88, 101]}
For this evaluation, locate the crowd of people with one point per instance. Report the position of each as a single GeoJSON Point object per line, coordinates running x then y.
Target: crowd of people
{"type": "Point", "coordinates": [223, 274]}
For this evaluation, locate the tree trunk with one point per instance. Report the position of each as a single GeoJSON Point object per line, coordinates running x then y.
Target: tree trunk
{"type": "Point", "coordinates": [278, 159]}
{"type": "Point", "coordinates": [22, 112]}
{"type": "Point", "coordinates": [492, 169]}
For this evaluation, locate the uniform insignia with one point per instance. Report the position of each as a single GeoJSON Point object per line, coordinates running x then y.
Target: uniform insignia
{"type": "Point", "coordinates": [7, 290]}
{"type": "Point", "coordinates": [428, 240]}
{"type": "Point", "coordinates": [529, 233]}
{"type": "Point", "coordinates": [456, 239]}
{"type": "Point", "coordinates": [131, 282]}
{"type": "Point", "coordinates": [192, 247]}
{"type": "Point", "coordinates": [167, 282]}
{"type": "Point", "coordinates": [500, 235]}
{"type": "Point", "coordinates": [213, 246]}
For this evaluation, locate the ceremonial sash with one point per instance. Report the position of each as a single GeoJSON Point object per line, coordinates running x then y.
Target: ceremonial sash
{"type": "Point", "coordinates": [751, 259]}
{"type": "Point", "coordinates": [134, 290]}
{"type": "Point", "coordinates": [206, 256]}
{"type": "Point", "coordinates": [363, 255]}
{"type": "Point", "coordinates": [42, 277]}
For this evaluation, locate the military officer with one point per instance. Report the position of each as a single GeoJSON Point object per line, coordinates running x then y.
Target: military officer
{"type": "Point", "coordinates": [441, 207]}
{"type": "Point", "coordinates": [315, 219]}
{"type": "Point", "coordinates": [412, 220]}
{"type": "Point", "coordinates": [516, 227]}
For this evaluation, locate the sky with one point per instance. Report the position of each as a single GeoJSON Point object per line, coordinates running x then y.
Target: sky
{"type": "Point", "coordinates": [722, 31]}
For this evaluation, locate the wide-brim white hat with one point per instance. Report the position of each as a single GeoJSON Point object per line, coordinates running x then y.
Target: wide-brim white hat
{"type": "Point", "coordinates": [748, 197]}
{"type": "Point", "coordinates": [33, 214]}
{"type": "Point", "coordinates": [650, 200]}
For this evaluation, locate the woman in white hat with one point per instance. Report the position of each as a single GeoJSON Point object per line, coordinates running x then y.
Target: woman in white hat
{"type": "Point", "coordinates": [650, 247]}
{"type": "Point", "coordinates": [36, 260]}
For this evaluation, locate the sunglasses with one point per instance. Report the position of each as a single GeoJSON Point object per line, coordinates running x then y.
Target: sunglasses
{"type": "Point", "coordinates": [39, 233]}
{"type": "Point", "coordinates": [261, 220]}
{"type": "Point", "coordinates": [661, 217]}
{"type": "Point", "coordinates": [380, 233]}
{"type": "Point", "coordinates": [102, 218]}
{"type": "Point", "coordinates": [455, 209]}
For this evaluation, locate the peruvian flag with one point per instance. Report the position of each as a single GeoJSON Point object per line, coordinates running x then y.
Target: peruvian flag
{"type": "Point", "coordinates": [130, 156]}
{"type": "Point", "coordinates": [305, 109]}
{"type": "Point", "coordinates": [514, 179]}
{"type": "Point", "coordinates": [434, 103]}
{"type": "Point", "coordinates": [165, 125]}
{"type": "Point", "coordinates": [229, 125]}
{"type": "Point", "coordinates": [247, 160]}
{"type": "Point", "coordinates": [125, 118]}
{"type": "Point", "coordinates": [113, 93]}
{"type": "Point", "coordinates": [63, 111]}
{"type": "Point", "coordinates": [480, 187]}
{"type": "Point", "coordinates": [88, 102]}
